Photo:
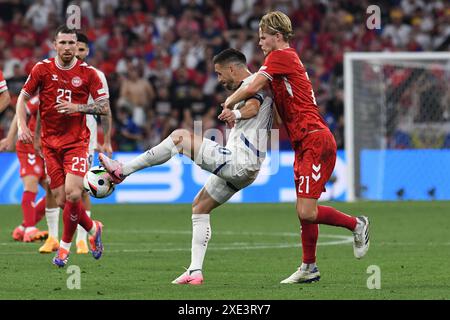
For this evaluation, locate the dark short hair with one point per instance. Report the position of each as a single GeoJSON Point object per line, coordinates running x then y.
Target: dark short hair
{"type": "Point", "coordinates": [81, 37]}
{"type": "Point", "coordinates": [230, 55]}
{"type": "Point", "coordinates": [64, 29]}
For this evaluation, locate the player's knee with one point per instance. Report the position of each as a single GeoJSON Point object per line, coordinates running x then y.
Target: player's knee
{"type": "Point", "coordinates": [199, 207]}
{"type": "Point", "coordinates": [180, 135]}
{"type": "Point", "coordinates": [61, 202]}
{"type": "Point", "coordinates": [73, 195]}
{"type": "Point", "coordinates": [306, 214]}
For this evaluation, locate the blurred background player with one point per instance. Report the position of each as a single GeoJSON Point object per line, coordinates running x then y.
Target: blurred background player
{"type": "Point", "coordinates": [32, 172]}
{"type": "Point", "coordinates": [91, 122]}
{"type": "Point", "coordinates": [234, 166]}
{"type": "Point", "coordinates": [312, 141]}
{"type": "Point", "coordinates": [64, 84]}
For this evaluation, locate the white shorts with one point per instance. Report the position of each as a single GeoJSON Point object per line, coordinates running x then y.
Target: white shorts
{"type": "Point", "coordinates": [229, 176]}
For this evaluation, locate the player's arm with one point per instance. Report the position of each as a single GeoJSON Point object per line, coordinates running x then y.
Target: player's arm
{"type": "Point", "coordinates": [249, 110]}
{"type": "Point", "coordinates": [24, 133]}
{"type": "Point", "coordinates": [243, 93]}
{"type": "Point", "coordinates": [100, 107]}
{"type": "Point", "coordinates": [5, 99]}
{"type": "Point", "coordinates": [7, 144]}
{"type": "Point", "coordinates": [37, 135]}
{"type": "Point", "coordinates": [106, 122]}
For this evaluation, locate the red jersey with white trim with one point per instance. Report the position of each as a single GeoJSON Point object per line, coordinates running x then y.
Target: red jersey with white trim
{"type": "Point", "coordinates": [3, 86]}
{"type": "Point", "coordinates": [32, 108]}
{"type": "Point", "coordinates": [293, 93]}
{"type": "Point", "coordinates": [56, 83]}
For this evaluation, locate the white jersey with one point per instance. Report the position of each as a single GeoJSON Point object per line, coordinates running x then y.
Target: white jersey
{"type": "Point", "coordinates": [90, 119]}
{"type": "Point", "coordinates": [249, 137]}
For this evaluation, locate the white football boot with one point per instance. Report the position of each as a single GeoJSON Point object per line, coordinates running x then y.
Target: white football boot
{"type": "Point", "coordinates": [361, 240]}
{"type": "Point", "coordinates": [304, 274]}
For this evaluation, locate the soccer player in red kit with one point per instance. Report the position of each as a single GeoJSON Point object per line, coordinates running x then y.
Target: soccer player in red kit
{"type": "Point", "coordinates": [312, 141]}
{"type": "Point", "coordinates": [64, 84]}
{"type": "Point", "coordinates": [32, 173]}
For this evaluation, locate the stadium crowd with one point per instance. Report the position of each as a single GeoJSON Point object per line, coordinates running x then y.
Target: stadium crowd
{"type": "Point", "coordinates": [157, 55]}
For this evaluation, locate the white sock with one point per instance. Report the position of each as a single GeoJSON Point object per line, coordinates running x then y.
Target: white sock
{"type": "Point", "coordinates": [65, 245]}
{"type": "Point", "coordinates": [81, 233]}
{"type": "Point", "coordinates": [28, 229]}
{"type": "Point", "coordinates": [93, 229]}
{"type": "Point", "coordinates": [307, 266]}
{"type": "Point", "coordinates": [52, 217]}
{"type": "Point", "coordinates": [156, 155]}
{"type": "Point", "coordinates": [201, 234]}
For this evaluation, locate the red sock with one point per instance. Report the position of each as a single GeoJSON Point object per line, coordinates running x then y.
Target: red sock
{"type": "Point", "coordinates": [333, 217]}
{"type": "Point", "coordinates": [310, 234]}
{"type": "Point", "coordinates": [28, 209]}
{"type": "Point", "coordinates": [85, 221]}
{"type": "Point", "coordinates": [71, 216]}
{"type": "Point", "coordinates": [40, 210]}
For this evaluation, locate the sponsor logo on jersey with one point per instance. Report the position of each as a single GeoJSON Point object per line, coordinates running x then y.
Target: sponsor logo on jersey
{"type": "Point", "coordinates": [76, 81]}
{"type": "Point", "coordinates": [54, 77]}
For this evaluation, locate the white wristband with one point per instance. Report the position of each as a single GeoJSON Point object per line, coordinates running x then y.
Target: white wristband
{"type": "Point", "coordinates": [237, 114]}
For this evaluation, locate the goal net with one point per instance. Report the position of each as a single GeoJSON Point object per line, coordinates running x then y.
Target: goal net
{"type": "Point", "coordinates": [397, 125]}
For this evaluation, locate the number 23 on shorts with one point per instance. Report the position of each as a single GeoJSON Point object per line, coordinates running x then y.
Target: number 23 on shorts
{"type": "Point", "coordinates": [79, 164]}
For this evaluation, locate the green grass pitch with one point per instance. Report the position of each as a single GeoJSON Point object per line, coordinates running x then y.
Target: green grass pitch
{"type": "Point", "coordinates": [253, 247]}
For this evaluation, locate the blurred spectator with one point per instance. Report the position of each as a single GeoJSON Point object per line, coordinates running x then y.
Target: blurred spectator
{"type": "Point", "coordinates": [137, 95]}
{"type": "Point", "coordinates": [397, 31]}
{"type": "Point", "coordinates": [128, 133]}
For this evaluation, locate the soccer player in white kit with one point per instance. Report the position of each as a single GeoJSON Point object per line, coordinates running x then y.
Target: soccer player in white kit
{"type": "Point", "coordinates": [234, 166]}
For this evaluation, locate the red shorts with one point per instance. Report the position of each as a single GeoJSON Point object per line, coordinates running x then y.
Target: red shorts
{"type": "Point", "coordinates": [61, 161]}
{"type": "Point", "coordinates": [31, 164]}
{"type": "Point", "coordinates": [314, 163]}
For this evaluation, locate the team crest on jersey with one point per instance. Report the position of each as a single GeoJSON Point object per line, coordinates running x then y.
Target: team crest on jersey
{"type": "Point", "coordinates": [76, 81]}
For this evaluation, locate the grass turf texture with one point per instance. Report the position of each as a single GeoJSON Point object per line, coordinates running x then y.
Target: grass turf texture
{"type": "Point", "coordinates": [253, 247]}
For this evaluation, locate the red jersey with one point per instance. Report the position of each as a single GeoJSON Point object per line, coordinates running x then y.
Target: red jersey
{"type": "Point", "coordinates": [32, 108]}
{"type": "Point", "coordinates": [293, 93]}
{"type": "Point", "coordinates": [3, 86]}
{"type": "Point", "coordinates": [56, 83]}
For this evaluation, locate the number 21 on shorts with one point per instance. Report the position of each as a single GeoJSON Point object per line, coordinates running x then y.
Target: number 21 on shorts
{"type": "Point", "coordinates": [303, 184]}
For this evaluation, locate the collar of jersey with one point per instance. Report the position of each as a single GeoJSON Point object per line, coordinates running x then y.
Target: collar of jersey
{"type": "Point", "coordinates": [66, 68]}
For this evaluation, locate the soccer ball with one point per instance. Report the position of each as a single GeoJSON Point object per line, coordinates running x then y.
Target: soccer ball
{"type": "Point", "coordinates": [96, 183]}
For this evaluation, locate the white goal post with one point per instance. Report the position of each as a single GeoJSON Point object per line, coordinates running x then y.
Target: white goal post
{"type": "Point", "coordinates": [377, 86]}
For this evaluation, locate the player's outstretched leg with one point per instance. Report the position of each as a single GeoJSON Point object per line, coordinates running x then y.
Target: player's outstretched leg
{"type": "Point", "coordinates": [179, 141]}
{"type": "Point", "coordinates": [113, 167]}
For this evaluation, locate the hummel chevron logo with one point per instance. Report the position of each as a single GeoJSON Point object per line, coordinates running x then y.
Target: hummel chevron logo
{"type": "Point", "coordinates": [315, 177]}
{"type": "Point", "coordinates": [316, 168]}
